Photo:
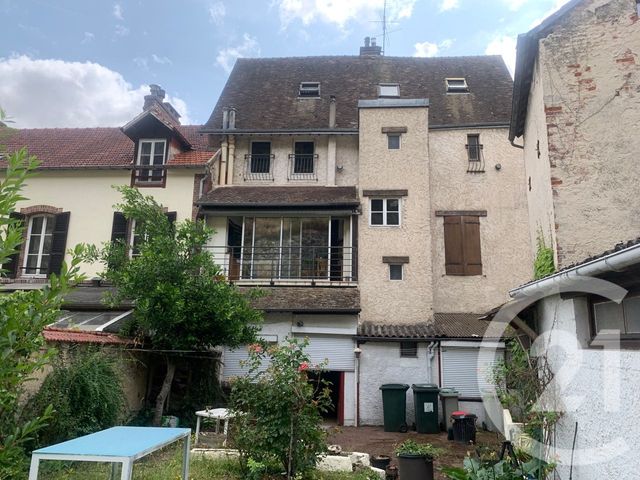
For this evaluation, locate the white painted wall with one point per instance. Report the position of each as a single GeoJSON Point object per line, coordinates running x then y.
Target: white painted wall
{"type": "Point", "coordinates": [583, 380]}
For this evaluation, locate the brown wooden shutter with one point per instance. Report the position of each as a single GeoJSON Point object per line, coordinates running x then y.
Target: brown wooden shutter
{"type": "Point", "coordinates": [59, 242]}
{"type": "Point", "coordinates": [119, 227]}
{"type": "Point", "coordinates": [453, 246]}
{"type": "Point", "coordinates": [11, 267]}
{"type": "Point", "coordinates": [471, 249]}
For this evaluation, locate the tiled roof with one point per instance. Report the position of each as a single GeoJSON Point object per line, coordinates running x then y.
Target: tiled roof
{"type": "Point", "coordinates": [265, 91]}
{"type": "Point", "coordinates": [308, 299]}
{"type": "Point", "coordinates": [74, 336]}
{"type": "Point", "coordinates": [192, 157]}
{"type": "Point", "coordinates": [88, 147]}
{"type": "Point", "coordinates": [444, 326]}
{"type": "Point", "coordinates": [270, 196]}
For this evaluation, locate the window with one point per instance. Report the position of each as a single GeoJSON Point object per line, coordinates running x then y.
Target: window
{"type": "Point", "coordinates": [309, 90]}
{"type": "Point", "coordinates": [462, 245]}
{"type": "Point", "coordinates": [303, 158]}
{"type": "Point", "coordinates": [38, 248]}
{"type": "Point", "coordinates": [395, 271]}
{"type": "Point", "coordinates": [385, 211]}
{"type": "Point", "coordinates": [393, 141]}
{"type": "Point", "coordinates": [389, 90]}
{"type": "Point", "coordinates": [409, 349]}
{"type": "Point", "coordinates": [136, 237]}
{"type": "Point", "coordinates": [623, 317]}
{"type": "Point", "coordinates": [457, 85]}
{"type": "Point", "coordinates": [260, 158]}
{"type": "Point", "coordinates": [473, 147]}
{"type": "Point", "coordinates": [151, 153]}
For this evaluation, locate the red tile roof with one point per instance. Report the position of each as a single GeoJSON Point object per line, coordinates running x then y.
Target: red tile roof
{"type": "Point", "coordinates": [75, 336]}
{"type": "Point", "coordinates": [192, 157]}
{"type": "Point", "coordinates": [90, 147]}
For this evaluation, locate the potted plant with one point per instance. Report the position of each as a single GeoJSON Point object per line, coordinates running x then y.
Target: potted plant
{"type": "Point", "coordinates": [415, 460]}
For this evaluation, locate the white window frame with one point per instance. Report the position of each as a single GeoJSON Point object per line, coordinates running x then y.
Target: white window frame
{"type": "Point", "coordinates": [385, 211]}
{"type": "Point", "coordinates": [464, 88]}
{"type": "Point", "coordinates": [401, 265]}
{"type": "Point", "coordinates": [153, 142]}
{"type": "Point", "coordinates": [382, 86]}
{"type": "Point", "coordinates": [309, 87]}
{"type": "Point", "coordinates": [45, 220]}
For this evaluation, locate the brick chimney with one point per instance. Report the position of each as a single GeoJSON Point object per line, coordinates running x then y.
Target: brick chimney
{"type": "Point", "coordinates": [370, 48]}
{"type": "Point", "coordinates": [155, 101]}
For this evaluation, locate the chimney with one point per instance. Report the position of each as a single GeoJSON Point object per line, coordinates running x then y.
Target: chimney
{"type": "Point", "coordinates": [370, 48]}
{"type": "Point", "coordinates": [232, 118]}
{"type": "Point", "coordinates": [156, 98]}
{"type": "Point", "coordinates": [332, 111]}
{"type": "Point", "coordinates": [225, 118]}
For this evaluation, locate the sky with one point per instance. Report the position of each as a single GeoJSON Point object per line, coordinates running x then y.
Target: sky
{"type": "Point", "coordinates": [88, 63]}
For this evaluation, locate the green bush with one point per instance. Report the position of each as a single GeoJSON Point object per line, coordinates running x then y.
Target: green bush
{"type": "Point", "coordinates": [86, 395]}
{"type": "Point", "coordinates": [278, 411]}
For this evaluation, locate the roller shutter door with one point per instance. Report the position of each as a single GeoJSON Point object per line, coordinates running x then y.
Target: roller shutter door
{"type": "Point", "coordinates": [337, 349]}
{"type": "Point", "coordinates": [233, 358]}
{"type": "Point", "coordinates": [460, 370]}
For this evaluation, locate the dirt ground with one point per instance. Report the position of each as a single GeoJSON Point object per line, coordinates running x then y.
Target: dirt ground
{"type": "Point", "coordinates": [375, 441]}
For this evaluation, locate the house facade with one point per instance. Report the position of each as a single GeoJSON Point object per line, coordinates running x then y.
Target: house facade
{"type": "Point", "coordinates": [575, 111]}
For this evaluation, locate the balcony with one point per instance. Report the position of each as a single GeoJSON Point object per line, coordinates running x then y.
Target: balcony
{"type": "Point", "coordinates": [475, 157]}
{"type": "Point", "coordinates": [287, 265]}
{"type": "Point", "coordinates": [258, 167]}
{"type": "Point", "coordinates": [303, 166]}
{"type": "Point", "coordinates": [149, 174]}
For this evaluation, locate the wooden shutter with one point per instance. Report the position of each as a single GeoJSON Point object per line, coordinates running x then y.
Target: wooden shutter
{"type": "Point", "coordinates": [59, 242]}
{"type": "Point", "coordinates": [462, 245]}
{"type": "Point", "coordinates": [119, 227]}
{"type": "Point", "coordinates": [471, 248]}
{"type": "Point", "coordinates": [453, 246]}
{"type": "Point", "coordinates": [11, 267]}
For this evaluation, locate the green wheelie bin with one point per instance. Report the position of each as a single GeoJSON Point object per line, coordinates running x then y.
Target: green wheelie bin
{"type": "Point", "coordinates": [394, 406]}
{"type": "Point", "coordinates": [425, 401]}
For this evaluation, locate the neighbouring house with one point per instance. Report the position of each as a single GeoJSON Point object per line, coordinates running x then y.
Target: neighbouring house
{"type": "Point", "coordinates": [377, 202]}
{"type": "Point", "coordinates": [576, 108]}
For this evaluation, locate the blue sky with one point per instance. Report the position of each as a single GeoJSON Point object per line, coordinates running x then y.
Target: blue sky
{"type": "Point", "coordinates": [87, 62]}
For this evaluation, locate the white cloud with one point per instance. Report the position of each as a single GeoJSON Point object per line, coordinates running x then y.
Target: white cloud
{"type": "Point", "coordinates": [514, 5]}
{"type": "Point", "coordinates": [87, 38]}
{"type": "Point", "coordinates": [506, 46]}
{"type": "Point", "coordinates": [141, 62]}
{"type": "Point", "coordinates": [75, 94]}
{"type": "Point", "coordinates": [429, 49]}
{"type": "Point", "coordinates": [217, 12]}
{"type": "Point", "coordinates": [161, 60]}
{"type": "Point", "coordinates": [340, 13]}
{"type": "Point", "coordinates": [248, 48]}
{"type": "Point", "coordinates": [557, 5]}
{"type": "Point", "coordinates": [117, 11]}
{"type": "Point", "coordinates": [447, 5]}
{"type": "Point", "coordinates": [121, 31]}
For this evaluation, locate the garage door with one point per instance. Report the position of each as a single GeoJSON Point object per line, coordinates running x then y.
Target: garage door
{"type": "Point", "coordinates": [460, 370]}
{"type": "Point", "coordinates": [337, 349]}
{"type": "Point", "coordinates": [234, 358]}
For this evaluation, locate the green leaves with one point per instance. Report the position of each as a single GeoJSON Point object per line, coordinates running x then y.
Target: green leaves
{"type": "Point", "coordinates": [544, 264]}
{"type": "Point", "coordinates": [411, 447]}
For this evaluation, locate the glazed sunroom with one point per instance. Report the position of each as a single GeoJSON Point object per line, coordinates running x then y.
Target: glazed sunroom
{"type": "Point", "coordinates": [284, 235]}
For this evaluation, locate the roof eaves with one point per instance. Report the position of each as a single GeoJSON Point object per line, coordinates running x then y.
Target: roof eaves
{"type": "Point", "coordinates": [288, 131]}
{"type": "Point", "coordinates": [394, 103]}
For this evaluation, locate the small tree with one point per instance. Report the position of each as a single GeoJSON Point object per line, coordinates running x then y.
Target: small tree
{"type": "Point", "coordinates": [23, 315]}
{"type": "Point", "coordinates": [278, 410]}
{"type": "Point", "coordinates": [182, 302]}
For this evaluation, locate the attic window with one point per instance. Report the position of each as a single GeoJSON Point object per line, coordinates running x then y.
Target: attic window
{"type": "Point", "coordinates": [457, 85]}
{"type": "Point", "coordinates": [309, 89]}
{"type": "Point", "coordinates": [389, 90]}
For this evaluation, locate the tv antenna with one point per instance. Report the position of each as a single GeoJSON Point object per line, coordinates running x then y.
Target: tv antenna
{"type": "Point", "coordinates": [385, 27]}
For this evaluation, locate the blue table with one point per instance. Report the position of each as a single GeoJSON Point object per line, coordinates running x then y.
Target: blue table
{"type": "Point", "coordinates": [116, 445]}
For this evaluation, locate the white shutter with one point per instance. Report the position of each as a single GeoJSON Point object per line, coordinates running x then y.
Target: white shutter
{"type": "Point", "coordinates": [337, 349]}
{"type": "Point", "coordinates": [460, 370]}
{"type": "Point", "coordinates": [234, 357]}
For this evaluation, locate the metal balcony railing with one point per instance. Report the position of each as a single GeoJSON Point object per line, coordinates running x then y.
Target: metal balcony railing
{"type": "Point", "coordinates": [143, 174]}
{"type": "Point", "coordinates": [306, 264]}
{"type": "Point", "coordinates": [303, 166]}
{"type": "Point", "coordinates": [475, 157]}
{"type": "Point", "coordinates": [258, 166]}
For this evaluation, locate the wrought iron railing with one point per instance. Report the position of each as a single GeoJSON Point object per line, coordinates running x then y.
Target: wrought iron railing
{"type": "Point", "coordinates": [258, 166]}
{"type": "Point", "coordinates": [149, 173]}
{"type": "Point", "coordinates": [475, 158]}
{"type": "Point", "coordinates": [303, 166]}
{"type": "Point", "coordinates": [293, 263]}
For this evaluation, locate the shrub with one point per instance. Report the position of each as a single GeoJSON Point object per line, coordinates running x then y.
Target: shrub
{"type": "Point", "coordinates": [86, 395]}
{"type": "Point", "coordinates": [278, 410]}
{"type": "Point", "coordinates": [411, 447]}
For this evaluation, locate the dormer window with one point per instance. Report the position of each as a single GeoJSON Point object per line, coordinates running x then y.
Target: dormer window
{"type": "Point", "coordinates": [151, 154]}
{"type": "Point", "coordinates": [309, 90]}
{"type": "Point", "coordinates": [457, 85]}
{"type": "Point", "coordinates": [388, 90]}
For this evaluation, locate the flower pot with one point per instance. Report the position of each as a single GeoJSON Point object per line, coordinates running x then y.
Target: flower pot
{"type": "Point", "coordinates": [415, 467]}
{"type": "Point", "coordinates": [381, 461]}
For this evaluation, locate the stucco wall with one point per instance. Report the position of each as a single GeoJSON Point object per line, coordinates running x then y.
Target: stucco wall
{"type": "Point", "coordinates": [89, 196]}
{"type": "Point", "coordinates": [380, 363]}
{"type": "Point", "coordinates": [504, 232]}
{"type": "Point", "coordinates": [591, 77]}
{"type": "Point", "coordinates": [384, 300]}
{"type": "Point", "coordinates": [585, 380]}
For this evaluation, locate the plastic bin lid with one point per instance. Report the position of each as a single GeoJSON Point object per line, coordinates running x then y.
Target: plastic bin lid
{"type": "Point", "coordinates": [462, 415]}
{"type": "Point", "coordinates": [425, 387]}
{"type": "Point", "coordinates": [449, 392]}
{"type": "Point", "coordinates": [394, 386]}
